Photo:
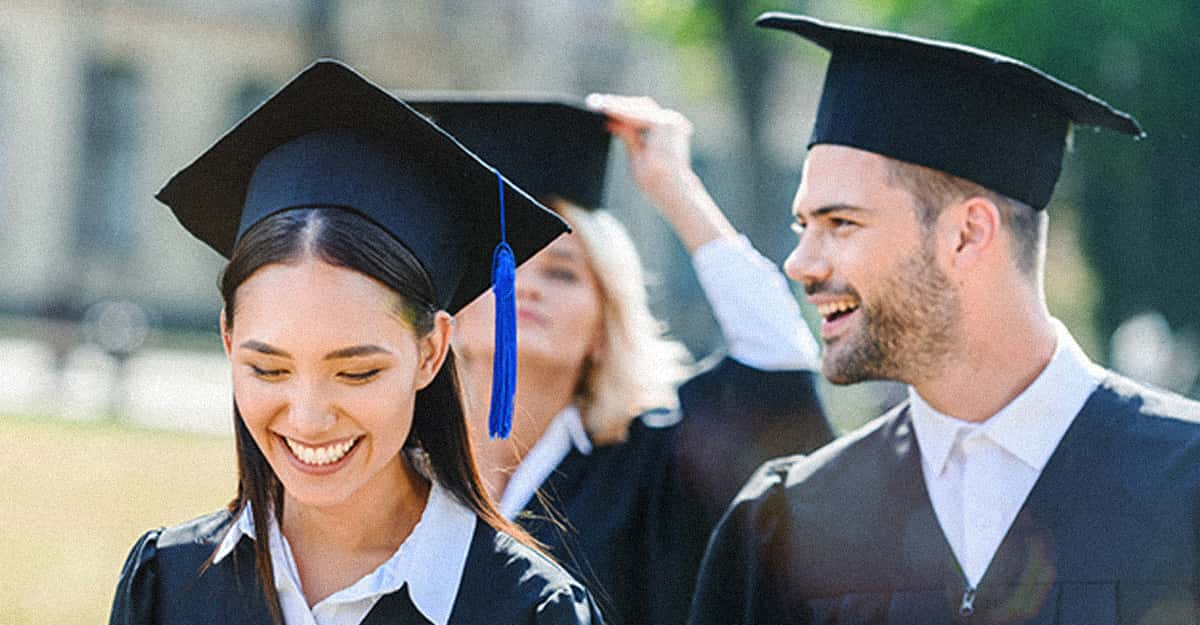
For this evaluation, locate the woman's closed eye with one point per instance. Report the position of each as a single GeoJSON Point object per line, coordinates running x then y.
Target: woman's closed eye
{"type": "Point", "coordinates": [360, 376]}
{"type": "Point", "coordinates": [560, 274]}
{"type": "Point", "coordinates": [268, 374]}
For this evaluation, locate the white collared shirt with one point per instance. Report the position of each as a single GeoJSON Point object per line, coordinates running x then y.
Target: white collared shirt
{"type": "Point", "coordinates": [978, 475]}
{"type": "Point", "coordinates": [563, 433]}
{"type": "Point", "coordinates": [756, 311]}
{"type": "Point", "coordinates": [430, 562]}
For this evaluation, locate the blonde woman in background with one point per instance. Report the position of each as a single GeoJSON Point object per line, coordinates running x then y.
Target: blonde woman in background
{"type": "Point", "coordinates": [618, 461]}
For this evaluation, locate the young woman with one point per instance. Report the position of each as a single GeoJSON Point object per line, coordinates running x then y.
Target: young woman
{"type": "Point", "coordinates": [346, 218]}
{"type": "Point", "coordinates": [633, 470]}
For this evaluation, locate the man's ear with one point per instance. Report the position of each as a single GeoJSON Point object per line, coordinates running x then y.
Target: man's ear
{"type": "Point", "coordinates": [433, 347]}
{"type": "Point", "coordinates": [973, 230]}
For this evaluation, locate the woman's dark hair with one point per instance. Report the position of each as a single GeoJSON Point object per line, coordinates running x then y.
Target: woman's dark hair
{"type": "Point", "coordinates": [345, 239]}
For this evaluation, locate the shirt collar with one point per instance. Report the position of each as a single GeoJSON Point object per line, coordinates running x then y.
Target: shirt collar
{"type": "Point", "coordinates": [1031, 425]}
{"type": "Point", "coordinates": [563, 433]}
{"type": "Point", "coordinates": [430, 561]}
{"type": "Point", "coordinates": [573, 421]}
{"type": "Point", "coordinates": [242, 526]}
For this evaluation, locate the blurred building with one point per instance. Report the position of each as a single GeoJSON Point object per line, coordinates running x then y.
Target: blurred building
{"type": "Point", "coordinates": [101, 100]}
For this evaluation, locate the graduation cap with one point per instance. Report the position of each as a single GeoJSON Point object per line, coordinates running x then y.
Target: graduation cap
{"type": "Point", "coordinates": [990, 119]}
{"type": "Point", "coordinates": [330, 138]}
{"type": "Point", "coordinates": [550, 146]}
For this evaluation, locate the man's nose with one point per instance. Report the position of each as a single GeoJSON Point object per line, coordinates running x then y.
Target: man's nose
{"type": "Point", "coordinates": [807, 263]}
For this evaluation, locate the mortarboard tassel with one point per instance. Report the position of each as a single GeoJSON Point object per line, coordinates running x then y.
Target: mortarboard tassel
{"type": "Point", "coordinates": [504, 362]}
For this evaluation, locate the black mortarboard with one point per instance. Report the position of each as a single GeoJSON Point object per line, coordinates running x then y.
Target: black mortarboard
{"type": "Point", "coordinates": [981, 116]}
{"type": "Point", "coordinates": [549, 146]}
{"type": "Point", "coordinates": [331, 138]}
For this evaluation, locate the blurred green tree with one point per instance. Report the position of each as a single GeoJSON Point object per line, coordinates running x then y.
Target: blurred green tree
{"type": "Point", "coordinates": [704, 31]}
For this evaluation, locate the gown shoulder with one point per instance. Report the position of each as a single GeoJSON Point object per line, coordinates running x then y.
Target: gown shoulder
{"type": "Point", "coordinates": [164, 578]}
{"type": "Point", "coordinates": [508, 582]}
{"type": "Point", "coordinates": [134, 600]}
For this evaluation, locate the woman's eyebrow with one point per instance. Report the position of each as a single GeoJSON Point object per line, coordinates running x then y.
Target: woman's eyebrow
{"type": "Point", "coordinates": [562, 254]}
{"type": "Point", "coordinates": [346, 352]}
{"type": "Point", "coordinates": [356, 351]}
{"type": "Point", "coordinates": [263, 348]}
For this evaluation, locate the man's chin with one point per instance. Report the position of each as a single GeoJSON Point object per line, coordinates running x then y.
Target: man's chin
{"type": "Point", "coordinates": [844, 370]}
{"type": "Point", "coordinates": [841, 378]}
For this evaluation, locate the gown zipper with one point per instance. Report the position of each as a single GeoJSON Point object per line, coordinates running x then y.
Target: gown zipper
{"type": "Point", "coordinates": [967, 607]}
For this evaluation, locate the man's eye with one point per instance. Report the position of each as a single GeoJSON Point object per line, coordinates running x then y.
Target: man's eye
{"type": "Point", "coordinates": [838, 222]}
{"type": "Point", "coordinates": [267, 373]}
{"type": "Point", "coordinates": [360, 376]}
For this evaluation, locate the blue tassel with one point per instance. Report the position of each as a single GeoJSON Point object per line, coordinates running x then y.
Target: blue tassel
{"type": "Point", "coordinates": [504, 362]}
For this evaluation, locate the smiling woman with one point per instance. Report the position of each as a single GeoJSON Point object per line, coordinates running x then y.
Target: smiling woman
{"type": "Point", "coordinates": [314, 330]}
{"type": "Point", "coordinates": [358, 500]}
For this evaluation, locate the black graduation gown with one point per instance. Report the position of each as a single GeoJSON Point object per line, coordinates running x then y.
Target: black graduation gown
{"type": "Point", "coordinates": [1107, 536]}
{"type": "Point", "coordinates": [503, 582]}
{"type": "Point", "coordinates": [635, 516]}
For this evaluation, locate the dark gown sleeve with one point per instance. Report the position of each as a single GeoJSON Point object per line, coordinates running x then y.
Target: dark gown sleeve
{"type": "Point", "coordinates": [736, 417]}
{"type": "Point", "coordinates": [739, 579]}
{"type": "Point", "coordinates": [134, 601]}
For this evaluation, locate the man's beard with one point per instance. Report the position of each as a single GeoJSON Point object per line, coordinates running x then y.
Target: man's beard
{"type": "Point", "coordinates": [905, 334]}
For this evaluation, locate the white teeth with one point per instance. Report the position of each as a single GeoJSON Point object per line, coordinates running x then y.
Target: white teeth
{"type": "Point", "coordinates": [826, 310]}
{"type": "Point", "coordinates": [320, 455]}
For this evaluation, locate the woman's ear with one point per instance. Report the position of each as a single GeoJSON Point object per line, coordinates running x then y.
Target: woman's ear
{"type": "Point", "coordinates": [433, 347]}
{"type": "Point", "coordinates": [226, 338]}
{"type": "Point", "coordinates": [598, 348]}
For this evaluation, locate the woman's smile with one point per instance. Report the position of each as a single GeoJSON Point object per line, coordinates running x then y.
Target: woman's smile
{"type": "Point", "coordinates": [529, 315]}
{"type": "Point", "coordinates": [324, 458]}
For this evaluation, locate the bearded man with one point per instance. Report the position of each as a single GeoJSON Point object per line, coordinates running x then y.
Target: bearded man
{"type": "Point", "coordinates": [1020, 482]}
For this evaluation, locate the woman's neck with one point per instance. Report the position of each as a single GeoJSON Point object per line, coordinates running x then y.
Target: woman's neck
{"type": "Point", "coordinates": [543, 391]}
{"type": "Point", "coordinates": [334, 546]}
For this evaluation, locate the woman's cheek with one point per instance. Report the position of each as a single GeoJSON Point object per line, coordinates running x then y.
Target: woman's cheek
{"type": "Point", "coordinates": [256, 401]}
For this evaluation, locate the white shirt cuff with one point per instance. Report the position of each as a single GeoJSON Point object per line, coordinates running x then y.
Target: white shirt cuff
{"type": "Point", "coordinates": [754, 307]}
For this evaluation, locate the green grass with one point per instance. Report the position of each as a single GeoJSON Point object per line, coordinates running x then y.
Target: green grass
{"type": "Point", "coordinates": [75, 496]}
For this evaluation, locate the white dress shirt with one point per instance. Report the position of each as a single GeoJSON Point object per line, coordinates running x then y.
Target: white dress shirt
{"type": "Point", "coordinates": [564, 432]}
{"type": "Point", "coordinates": [978, 475]}
{"type": "Point", "coordinates": [430, 562]}
{"type": "Point", "coordinates": [762, 326]}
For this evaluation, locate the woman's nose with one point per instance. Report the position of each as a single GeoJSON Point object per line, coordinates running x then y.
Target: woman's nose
{"type": "Point", "coordinates": [311, 411]}
{"type": "Point", "coordinates": [527, 287]}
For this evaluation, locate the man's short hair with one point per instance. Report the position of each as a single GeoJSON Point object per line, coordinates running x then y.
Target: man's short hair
{"type": "Point", "coordinates": [934, 190]}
